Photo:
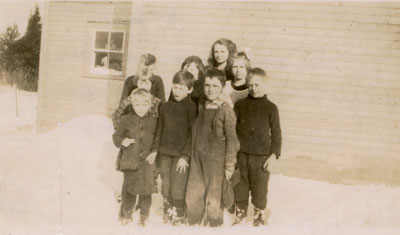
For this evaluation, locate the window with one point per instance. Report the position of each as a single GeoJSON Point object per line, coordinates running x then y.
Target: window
{"type": "Point", "coordinates": [108, 53]}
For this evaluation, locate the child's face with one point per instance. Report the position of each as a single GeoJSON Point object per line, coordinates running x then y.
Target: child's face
{"type": "Point", "coordinates": [256, 86]}
{"type": "Point", "coordinates": [192, 68]}
{"type": "Point", "coordinates": [141, 105]}
{"type": "Point", "coordinates": [212, 88]}
{"type": "Point", "coordinates": [144, 83]}
{"type": "Point", "coordinates": [180, 91]}
{"type": "Point", "coordinates": [221, 53]}
{"type": "Point", "coordinates": [239, 69]}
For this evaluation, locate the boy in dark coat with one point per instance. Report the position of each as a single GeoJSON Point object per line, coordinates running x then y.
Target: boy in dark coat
{"type": "Point", "coordinates": [174, 144]}
{"type": "Point", "coordinates": [134, 135]}
{"type": "Point", "coordinates": [259, 133]}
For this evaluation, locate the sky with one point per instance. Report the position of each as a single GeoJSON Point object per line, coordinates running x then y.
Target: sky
{"type": "Point", "coordinates": [17, 12]}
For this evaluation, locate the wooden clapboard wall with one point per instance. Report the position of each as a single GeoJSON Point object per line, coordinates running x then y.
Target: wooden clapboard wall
{"type": "Point", "coordinates": [66, 89]}
{"type": "Point", "coordinates": [333, 67]}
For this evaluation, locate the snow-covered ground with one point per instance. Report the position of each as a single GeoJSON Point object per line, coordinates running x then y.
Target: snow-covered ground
{"type": "Point", "coordinates": [64, 182]}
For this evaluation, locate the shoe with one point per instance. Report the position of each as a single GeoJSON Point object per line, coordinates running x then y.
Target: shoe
{"type": "Point", "coordinates": [125, 221]}
{"type": "Point", "coordinates": [240, 215]}
{"type": "Point", "coordinates": [143, 220]}
{"type": "Point", "coordinates": [167, 217]}
{"type": "Point", "coordinates": [231, 210]}
{"type": "Point", "coordinates": [259, 217]}
{"type": "Point", "coordinates": [177, 220]}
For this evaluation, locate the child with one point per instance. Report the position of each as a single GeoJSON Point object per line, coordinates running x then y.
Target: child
{"type": "Point", "coordinates": [237, 89]}
{"type": "Point", "coordinates": [174, 144]}
{"type": "Point", "coordinates": [125, 106]}
{"type": "Point", "coordinates": [146, 67]}
{"type": "Point", "coordinates": [259, 133]}
{"type": "Point", "coordinates": [221, 52]}
{"type": "Point", "coordinates": [134, 135]}
{"type": "Point", "coordinates": [194, 65]}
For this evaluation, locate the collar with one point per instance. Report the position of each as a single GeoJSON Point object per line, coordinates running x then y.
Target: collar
{"type": "Point", "coordinates": [215, 104]}
{"type": "Point", "coordinates": [257, 98]}
{"type": "Point", "coordinates": [239, 88]}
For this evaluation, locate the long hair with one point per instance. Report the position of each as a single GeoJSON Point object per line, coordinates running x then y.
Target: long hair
{"type": "Point", "coordinates": [231, 46]}
{"type": "Point", "coordinates": [198, 62]}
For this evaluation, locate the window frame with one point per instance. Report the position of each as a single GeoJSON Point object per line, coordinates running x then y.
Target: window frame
{"type": "Point", "coordinates": [93, 50]}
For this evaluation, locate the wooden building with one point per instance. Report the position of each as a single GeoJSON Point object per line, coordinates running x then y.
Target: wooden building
{"type": "Point", "coordinates": [334, 70]}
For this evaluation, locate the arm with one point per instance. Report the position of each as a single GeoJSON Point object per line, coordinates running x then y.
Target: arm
{"type": "Point", "coordinates": [116, 116]}
{"type": "Point", "coordinates": [232, 142]}
{"type": "Point", "coordinates": [276, 138]}
{"type": "Point", "coordinates": [160, 92]}
{"type": "Point", "coordinates": [128, 87]}
{"type": "Point", "coordinates": [157, 137]}
{"type": "Point", "coordinates": [186, 153]}
{"type": "Point", "coordinates": [119, 134]}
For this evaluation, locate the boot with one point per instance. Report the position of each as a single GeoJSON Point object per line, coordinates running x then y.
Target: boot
{"type": "Point", "coordinates": [231, 210]}
{"type": "Point", "coordinates": [240, 215]}
{"type": "Point", "coordinates": [167, 217]}
{"type": "Point", "coordinates": [259, 217]}
{"type": "Point", "coordinates": [177, 216]}
{"type": "Point", "coordinates": [143, 220]}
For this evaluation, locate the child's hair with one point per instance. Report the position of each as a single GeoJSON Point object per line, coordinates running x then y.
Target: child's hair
{"type": "Point", "coordinates": [216, 73]}
{"type": "Point", "coordinates": [256, 71]}
{"type": "Point", "coordinates": [231, 46]}
{"type": "Point", "coordinates": [141, 94]}
{"type": "Point", "coordinates": [184, 77]}
{"type": "Point", "coordinates": [241, 55]}
{"type": "Point", "coordinates": [145, 61]}
{"type": "Point", "coordinates": [197, 61]}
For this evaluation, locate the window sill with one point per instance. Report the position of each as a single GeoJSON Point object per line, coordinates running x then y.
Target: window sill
{"type": "Point", "coordinates": [106, 77]}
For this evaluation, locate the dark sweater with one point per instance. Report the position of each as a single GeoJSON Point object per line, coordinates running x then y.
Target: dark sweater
{"type": "Point", "coordinates": [258, 127]}
{"type": "Point", "coordinates": [174, 128]}
{"type": "Point", "coordinates": [157, 87]}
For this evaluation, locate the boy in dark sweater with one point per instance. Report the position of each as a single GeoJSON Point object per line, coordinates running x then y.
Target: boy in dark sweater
{"type": "Point", "coordinates": [259, 133]}
{"type": "Point", "coordinates": [174, 144]}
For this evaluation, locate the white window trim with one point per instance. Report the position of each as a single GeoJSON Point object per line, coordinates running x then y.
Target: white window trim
{"type": "Point", "coordinates": [103, 71]}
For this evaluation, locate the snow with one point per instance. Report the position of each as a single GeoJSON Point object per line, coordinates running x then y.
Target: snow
{"type": "Point", "coordinates": [64, 182]}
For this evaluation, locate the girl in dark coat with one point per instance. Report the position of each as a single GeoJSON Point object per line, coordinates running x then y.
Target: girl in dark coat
{"type": "Point", "coordinates": [134, 135]}
{"type": "Point", "coordinates": [214, 148]}
{"type": "Point", "coordinates": [194, 65]}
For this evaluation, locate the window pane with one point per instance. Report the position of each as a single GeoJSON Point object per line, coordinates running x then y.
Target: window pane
{"type": "Point", "coordinates": [101, 60]}
{"type": "Point", "coordinates": [116, 61]}
{"type": "Point", "coordinates": [101, 40]}
{"type": "Point", "coordinates": [117, 41]}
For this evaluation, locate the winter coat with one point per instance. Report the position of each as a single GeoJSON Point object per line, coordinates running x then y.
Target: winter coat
{"type": "Point", "coordinates": [143, 130]}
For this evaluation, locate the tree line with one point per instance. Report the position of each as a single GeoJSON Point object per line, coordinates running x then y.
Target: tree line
{"type": "Point", "coordinates": [19, 56]}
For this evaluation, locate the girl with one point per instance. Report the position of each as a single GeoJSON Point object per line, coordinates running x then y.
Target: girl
{"type": "Point", "coordinates": [134, 135]}
{"type": "Point", "coordinates": [194, 65]}
{"type": "Point", "coordinates": [214, 148]}
{"type": "Point", "coordinates": [221, 52]}
{"type": "Point", "coordinates": [146, 67]}
{"type": "Point", "coordinates": [237, 89]}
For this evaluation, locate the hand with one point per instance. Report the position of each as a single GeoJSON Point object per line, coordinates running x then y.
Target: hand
{"type": "Point", "coordinates": [228, 174]}
{"type": "Point", "coordinates": [267, 163]}
{"type": "Point", "coordinates": [182, 165]}
{"type": "Point", "coordinates": [126, 142]}
{"type": "Point", "coordinates": [151, 157]}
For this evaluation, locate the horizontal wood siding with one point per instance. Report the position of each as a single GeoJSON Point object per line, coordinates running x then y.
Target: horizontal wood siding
{"type": "Point", "coordinates": [65, 92]}
{"type": "Point", "coordinates": [333, 67]}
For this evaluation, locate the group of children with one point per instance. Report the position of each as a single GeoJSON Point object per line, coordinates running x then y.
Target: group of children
{"type": "Point", "coordinates": [156, 136]}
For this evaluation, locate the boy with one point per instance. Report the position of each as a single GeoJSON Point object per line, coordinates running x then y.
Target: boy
{"type": "Point", "coordinates": [259, 134]}
{"type": "Point", "coordinates": [134, 135]}
{"type": "Point", "coordinates": [174, 144]}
